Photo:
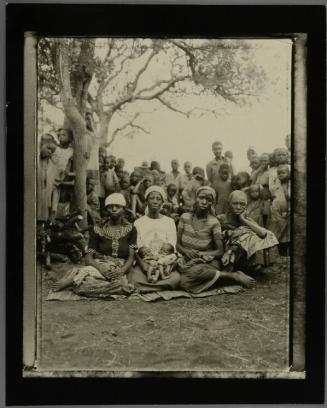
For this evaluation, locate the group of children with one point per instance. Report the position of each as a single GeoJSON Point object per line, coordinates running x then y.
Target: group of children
{"type": "Point", "coordinates": [267, 184]}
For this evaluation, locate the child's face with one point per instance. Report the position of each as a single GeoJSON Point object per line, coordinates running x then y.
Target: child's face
{"type": "Point", "coordinates": [144, 251]}
{"type": "Point", "coordinates": [229, 155]}
{"type": "Point", "coordinates": [187, 167]}
{"type": "Point", "coordinates": [250, 154]}
{"type": "Point", "coordinates": [147, 182]}
{"type": "Point", "coordinates": [64, 137]}
{"type": "Point", "coordinates": [255, 163]}
{"type": "Point", "coordinates": [119, 173]}
{"type": "Point", "coordinates": [283, 174]}
{"type": "Point", "coordinates": [90, 185]}
{"type": "Point", "coordinates": [166, 249]}
{"type": "Point", "coordinates": [47, 150]}
{"type": "Point", "coordinates": [109, 163]}
{"type": "Point", "coordinates": [155, 166]}
{"type": "Point", "coordinates": [281, 156]}
{"type": "Point", "coordinates": [121, 163]}
{"type": "Point", "coordinates": [217, 150]}
{"type": "Point", "coordinates": [264, 161]}
{"type": "Point", "coordinates": [242, 180]}
{"type": "Point", "coordinates": [224, 174]}
{"type": "Point", "coordinates": [124, 183]}
{"type": "Point", "coordinates": [174, 165]}
{"type": "Point", "coordinates": [135, 178]}
{"type": "Point", "coordinates": [254, 192]}
{"type": "Point", "coordinates": [171, 191]}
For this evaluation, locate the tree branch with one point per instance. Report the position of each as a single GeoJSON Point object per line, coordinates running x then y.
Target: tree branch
{"type": "Point", "coordinates": [141, 71]}
{"type": "Point", "coordinates": [170, 84]}
{"type": "Point", "coordinates": [130, 123]}
{"type": "Point", "coordinates": [171, 107]}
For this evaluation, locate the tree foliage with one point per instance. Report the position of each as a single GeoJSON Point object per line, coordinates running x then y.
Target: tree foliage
{"type": "Point", "coordinates": [111, 77]}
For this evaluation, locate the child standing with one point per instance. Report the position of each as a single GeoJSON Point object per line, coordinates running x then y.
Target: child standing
{"type": "Point", "coordinates": [44, 183]}
{"type": "Point", "coordinates": [262, 176]}
{"type": "Point", "coordinates": [281, 209]}
{"type": "Point", "coordinates": [109, 181]}
{"type": "Point", "coordinates": [125, 190]}
{"type": "Point", "coordinates": [93, 204]}
{"type": "Point", "coordinates": [241, 181]}
{"type": "Point", "coordinates": [229, 158]}
{"type": "Point", "coordinates": [255, 166]}
{"type": "Point", "coordinates": [223, 188]}
{"type": "Point", "coordinates": [189, 192]}
{"type": "Point", "coordinates": [171, 205]}
{"type": "Point", "coordinates": [255, 206]}
{"type": "Point", "coordinates": [280, 156]}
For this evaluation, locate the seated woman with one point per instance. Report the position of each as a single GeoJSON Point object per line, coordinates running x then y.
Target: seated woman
{"type": "Point", "coordinates": [248, 246]}
{"type": "Point", "coordinates": [153, 231]}
{"type": "Point", "coordinates": [109, 256]}
{"type": "Point", "coordinates": [199, 240]}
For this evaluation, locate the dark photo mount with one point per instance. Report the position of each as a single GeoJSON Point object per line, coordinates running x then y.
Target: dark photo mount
{"type": "Point", "coordinates": [168, 21]}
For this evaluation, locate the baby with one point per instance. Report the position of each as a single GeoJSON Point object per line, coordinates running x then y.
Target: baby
{"type": "Point", "coordinates": [159, 265]}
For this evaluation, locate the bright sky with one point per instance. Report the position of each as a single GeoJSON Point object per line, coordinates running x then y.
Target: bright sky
{"type": "Point", "coordinates": [263, 125]}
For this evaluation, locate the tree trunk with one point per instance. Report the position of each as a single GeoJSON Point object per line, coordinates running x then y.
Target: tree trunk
{"type": "Point", "coordinates": [80, 164]}
{"type": "Point", "coordinates": [104, 128]}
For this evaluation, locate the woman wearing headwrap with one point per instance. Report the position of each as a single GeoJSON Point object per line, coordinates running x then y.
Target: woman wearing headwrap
{"type": "Point", "coordinates": [248, 246]}
{"type": "Point", "coordinates": [199, 240]}
{"type": "Point", "coordinates": [109, 257]}
{"type": "Point", "coordinates": [153, 231]}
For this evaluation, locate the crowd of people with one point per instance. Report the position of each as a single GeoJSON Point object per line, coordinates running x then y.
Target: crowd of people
{"type": "Point", "coordinates": [151, 230]}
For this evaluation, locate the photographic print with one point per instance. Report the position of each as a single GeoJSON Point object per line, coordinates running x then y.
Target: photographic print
{"type": "Point", "coordinates": [163, 205]}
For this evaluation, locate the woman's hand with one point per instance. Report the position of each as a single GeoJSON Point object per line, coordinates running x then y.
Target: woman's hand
{"type": "Point", "coordinates": [242, 216]}
{"type": "Point", "coordinates": [191, 253]}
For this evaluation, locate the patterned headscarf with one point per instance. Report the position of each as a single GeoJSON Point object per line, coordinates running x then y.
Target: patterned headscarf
{"type": "Point", "coordinates": [208, 190]}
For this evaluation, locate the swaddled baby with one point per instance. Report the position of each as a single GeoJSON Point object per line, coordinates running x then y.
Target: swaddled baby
{"type": "Point", "coordinates": [159, 265]}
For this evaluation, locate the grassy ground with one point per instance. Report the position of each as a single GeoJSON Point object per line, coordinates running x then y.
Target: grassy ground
{"type": "Point", "coordinates": [246, 331]}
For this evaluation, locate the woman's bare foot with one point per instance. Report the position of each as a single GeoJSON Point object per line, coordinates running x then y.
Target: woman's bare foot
{"type": "Point", "coordinates": [61, 284]}
{"type": "Point", "coordinates": [245, 280]}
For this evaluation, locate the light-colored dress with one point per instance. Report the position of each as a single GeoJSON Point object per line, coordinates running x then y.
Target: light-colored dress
{"type": "Point", "coordinates": [152, 233]}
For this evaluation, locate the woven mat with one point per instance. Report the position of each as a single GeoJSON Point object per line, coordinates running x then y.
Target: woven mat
{"type": "Point", "coordinates": [68, 295]}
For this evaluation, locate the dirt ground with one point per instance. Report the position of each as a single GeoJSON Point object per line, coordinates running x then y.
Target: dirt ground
{"type": "Point", "coordinates": [246, 331]}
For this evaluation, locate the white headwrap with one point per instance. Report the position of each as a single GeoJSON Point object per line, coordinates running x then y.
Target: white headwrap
{"type": "Point", "coordinates": [156, 189]}
{"type": "Point", "coordinates": [115, 199]}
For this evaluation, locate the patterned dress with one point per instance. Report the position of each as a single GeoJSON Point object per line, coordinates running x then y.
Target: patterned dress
{"type": "Point", "coordinates": [244, 249]}
{"type": "Point", "coordinates": [110, 246]}
{"type": "Point", "coordinates": [198, 274]}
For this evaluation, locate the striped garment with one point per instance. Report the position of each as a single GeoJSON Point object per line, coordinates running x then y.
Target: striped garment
{"type": "Point", "coordinates": [202, 239]}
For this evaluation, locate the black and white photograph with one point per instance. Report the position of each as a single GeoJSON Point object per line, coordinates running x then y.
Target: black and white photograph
{"type": "Point", "coordinates": [163, 204]}
{"type": "Point", "coordinates": [165, 182]}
